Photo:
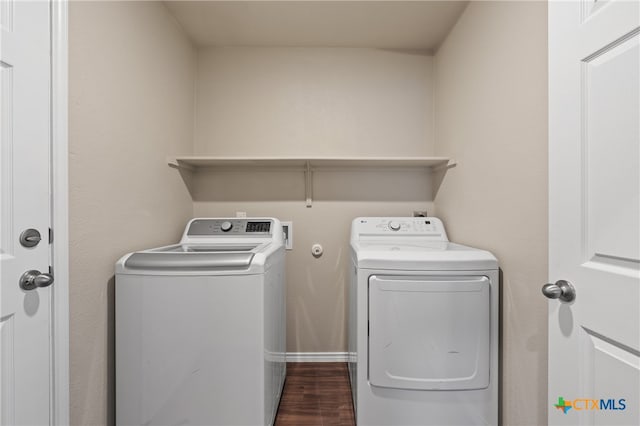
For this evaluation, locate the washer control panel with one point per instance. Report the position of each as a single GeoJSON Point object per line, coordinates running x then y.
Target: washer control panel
{"type": "Point", "coordinates": [230, 226]}
{"type": "Point", "coordinates": [426, 227]}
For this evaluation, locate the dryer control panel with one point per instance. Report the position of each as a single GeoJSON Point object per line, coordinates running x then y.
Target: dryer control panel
{"type": "Point", "coordinates": [383, 227]}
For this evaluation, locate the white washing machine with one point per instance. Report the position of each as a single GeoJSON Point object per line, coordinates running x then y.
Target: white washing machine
{"type": "Point", "coordinates": [200, 327]}
{"type": "Point", "coordinates": [423, 326]}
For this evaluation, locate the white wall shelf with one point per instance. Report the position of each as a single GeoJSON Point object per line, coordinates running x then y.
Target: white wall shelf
{"type": "Point", "coordinates": [310, 164]}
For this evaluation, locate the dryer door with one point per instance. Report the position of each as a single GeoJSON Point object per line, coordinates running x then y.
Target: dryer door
{"type": "Point", "coordinates": [429, 332]}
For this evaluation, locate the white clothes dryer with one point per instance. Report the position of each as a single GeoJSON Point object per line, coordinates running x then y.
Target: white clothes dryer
{"type": "Point", "coordinates": [423, 326]}
{"type": "Point", "coordinates": [200, 327]}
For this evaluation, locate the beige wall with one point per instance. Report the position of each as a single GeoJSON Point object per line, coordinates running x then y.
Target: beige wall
{"type": "Point", "coordinates": [131, 104]}
{"type": "Point", "coordinates": [315, 102]}
{"type": "Point", "coordinates": [491, 115]}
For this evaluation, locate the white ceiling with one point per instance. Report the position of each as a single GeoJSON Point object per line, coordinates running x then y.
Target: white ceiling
{"type": "Point", "coordinates": [419, 25]}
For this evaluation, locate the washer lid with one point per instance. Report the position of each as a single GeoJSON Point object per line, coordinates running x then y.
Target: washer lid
{"type": "Point", "coordinates": [206, 248]}
{"type": "Point", "coordinates": [420, 256]}
{"type": "Point", "coordinates": [195, 257]}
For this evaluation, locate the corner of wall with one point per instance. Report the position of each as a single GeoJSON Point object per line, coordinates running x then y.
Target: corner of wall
{"type": "Point", "coordinates": [491, 116]}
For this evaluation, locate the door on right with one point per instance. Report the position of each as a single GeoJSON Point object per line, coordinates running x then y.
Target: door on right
{"type": "Point", "coordinates": [594, 213]}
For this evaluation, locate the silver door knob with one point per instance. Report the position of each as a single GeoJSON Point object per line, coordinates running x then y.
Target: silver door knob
{"type": "Point", "coordinates": [34, 279]}
{"type": "Point", "coordinates": [562, 290]}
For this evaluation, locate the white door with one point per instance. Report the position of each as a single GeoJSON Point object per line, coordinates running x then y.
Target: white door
{"type": "Point", "coordinates": [594, 204]}
{"type": "Point", "coordinates": [25, 315]}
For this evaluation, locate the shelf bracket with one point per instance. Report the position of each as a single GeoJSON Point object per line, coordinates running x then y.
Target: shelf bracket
{"type": "Point", "coordinates": [175, 164]}
{"type": "Point", "coordinates": [308, 184]}
{"type": "Point", "coordinates": [448, 165]}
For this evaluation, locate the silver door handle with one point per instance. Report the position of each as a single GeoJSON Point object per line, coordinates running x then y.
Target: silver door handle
{"type": "Point", "coordinates": [562, 290]}
{"type": "Point", "coordinates": [34, 279]}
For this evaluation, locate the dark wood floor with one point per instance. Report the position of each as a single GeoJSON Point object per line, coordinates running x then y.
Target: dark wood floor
{"type": "Point", "coordinates": [316, 393]}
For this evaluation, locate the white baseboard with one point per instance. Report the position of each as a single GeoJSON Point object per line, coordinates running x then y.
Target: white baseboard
{"type": "Point", "coordinates": [317, 356]}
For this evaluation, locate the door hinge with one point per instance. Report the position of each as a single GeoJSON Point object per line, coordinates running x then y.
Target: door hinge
{"type": "Point", "coordinates": [50, 236]}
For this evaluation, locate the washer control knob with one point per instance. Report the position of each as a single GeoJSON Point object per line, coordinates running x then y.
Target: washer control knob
{"type": "Point", "coordinates": [226, 226]}
{"type": "Point", "coordinates": [394, 226]}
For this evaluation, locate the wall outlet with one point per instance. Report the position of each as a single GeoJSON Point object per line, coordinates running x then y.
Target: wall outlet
{"type": "Point", "coordinates": [420, 213]}
{"type": "Point", "coordinates": [287, 228]}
